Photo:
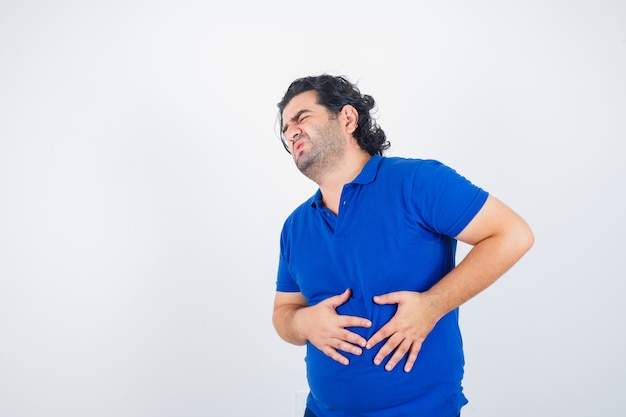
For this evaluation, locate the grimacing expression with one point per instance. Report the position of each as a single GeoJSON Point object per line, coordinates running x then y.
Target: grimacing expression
{"type": "Point", "coordinates": [313, 135]}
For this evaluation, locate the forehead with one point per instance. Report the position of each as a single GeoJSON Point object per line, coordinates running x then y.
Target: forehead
{"type": "Point", "coordinates": [303, 101]}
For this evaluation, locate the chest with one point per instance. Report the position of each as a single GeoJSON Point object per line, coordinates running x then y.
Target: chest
{"type": "Point", "coordinates": [375, 244]}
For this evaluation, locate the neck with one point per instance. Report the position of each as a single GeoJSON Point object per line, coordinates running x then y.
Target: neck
{"type": "Point", "coordinates": [331, 184]}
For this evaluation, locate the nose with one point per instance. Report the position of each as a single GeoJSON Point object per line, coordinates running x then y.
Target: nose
{"type": "Point", "coordinates": [292, 134]}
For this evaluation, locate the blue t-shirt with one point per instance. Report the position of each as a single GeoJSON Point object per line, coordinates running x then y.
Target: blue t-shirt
{"type": "Point", "coordinates": [394, 231]}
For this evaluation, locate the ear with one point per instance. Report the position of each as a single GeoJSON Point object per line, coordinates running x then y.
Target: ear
{"type": "Point", "coordinates": [351, 118]}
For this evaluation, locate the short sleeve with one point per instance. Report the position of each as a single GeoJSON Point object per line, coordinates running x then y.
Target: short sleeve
{"type": "Point", "coordinates": [445, 201]}
{"type": "Point", "coordinates": [285, 281]}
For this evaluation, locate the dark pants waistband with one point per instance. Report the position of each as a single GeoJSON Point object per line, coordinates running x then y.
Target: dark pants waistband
{"type": "Point", "coordinates": [309, 413]}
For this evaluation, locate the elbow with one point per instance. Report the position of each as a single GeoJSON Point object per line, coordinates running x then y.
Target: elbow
{"type": "Point", "coordinates": [278, 323]}
{"type": "Point", "coordinates": [525, 237]}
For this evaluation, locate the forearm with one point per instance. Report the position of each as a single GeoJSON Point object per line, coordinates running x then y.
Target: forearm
{"type": "Point", "coordinates": [487, 261]}
{"type": "Point", "coordinates": [284, 320]}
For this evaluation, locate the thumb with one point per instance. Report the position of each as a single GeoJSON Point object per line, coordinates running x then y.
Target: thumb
{"type": "Point", "coordinates": [389, 298]}
{"type": "Point", "coordinates": [339, 299]}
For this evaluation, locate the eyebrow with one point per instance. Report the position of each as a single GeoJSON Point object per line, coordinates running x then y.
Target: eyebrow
{"type": "Point", "coordinates": [295, 118]}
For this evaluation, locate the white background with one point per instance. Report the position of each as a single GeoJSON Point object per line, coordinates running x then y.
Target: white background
{"type": "Point", "coordinates": [143, 188]}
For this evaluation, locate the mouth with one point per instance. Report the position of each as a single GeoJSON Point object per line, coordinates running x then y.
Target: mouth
{"type": "Point", "coordinates": [298, 146]}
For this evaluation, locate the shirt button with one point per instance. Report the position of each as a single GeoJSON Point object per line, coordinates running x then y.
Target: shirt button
{"type": "Point", "coordinates": [344, 202]}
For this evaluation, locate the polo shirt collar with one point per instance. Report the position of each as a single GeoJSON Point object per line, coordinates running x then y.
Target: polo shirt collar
{"type": "Point", "coordinates": [369, 171]}
{"type": "Point", "coordinates": [367, 175]}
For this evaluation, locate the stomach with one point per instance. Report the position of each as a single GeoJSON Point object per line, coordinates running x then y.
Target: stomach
{"type": "Point", "coordinates": [362, 387]}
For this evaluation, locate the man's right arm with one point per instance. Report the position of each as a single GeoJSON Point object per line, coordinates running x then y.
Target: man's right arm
{"type": "Point", "coordinates": [286, 305]}
{"type": "Point", "coordinates": [297, 323]}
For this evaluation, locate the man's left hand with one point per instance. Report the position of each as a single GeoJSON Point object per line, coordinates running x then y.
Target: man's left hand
{"type": "Point", "coordinates": [406, 331]}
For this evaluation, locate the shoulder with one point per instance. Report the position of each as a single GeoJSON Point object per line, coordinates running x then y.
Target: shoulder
{"type": "Point", "coordinates": [302, 212]}
{"type": "Point", "coordinates": [426, 178]}
{"type": "Point", "coordinates": [398, 162]}
{"type": "Point", "coordinates": [412, 167]}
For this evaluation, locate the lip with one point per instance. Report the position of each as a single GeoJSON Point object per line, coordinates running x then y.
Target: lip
{"type": "Point", "coordinates": [298, 146]}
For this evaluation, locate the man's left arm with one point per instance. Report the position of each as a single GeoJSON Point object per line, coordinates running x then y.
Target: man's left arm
{"type": "Point", "coordinates": [500, 237]}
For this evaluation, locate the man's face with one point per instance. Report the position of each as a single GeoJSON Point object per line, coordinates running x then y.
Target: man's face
{"type": "Point", "coordinates": [313, 135]}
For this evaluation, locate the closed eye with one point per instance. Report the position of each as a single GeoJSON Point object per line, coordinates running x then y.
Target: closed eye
{"type": "Point", "coordinates": [298, 118]}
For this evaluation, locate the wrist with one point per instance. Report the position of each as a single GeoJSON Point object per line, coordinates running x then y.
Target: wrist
{"type": "Point", "coordinates": [436, 303]}
{"type": "Point", "coordinates": [298, 325]}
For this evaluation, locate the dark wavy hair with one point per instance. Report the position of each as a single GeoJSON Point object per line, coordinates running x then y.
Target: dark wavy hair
{"type": "Point", "coordinates": [334, 92]}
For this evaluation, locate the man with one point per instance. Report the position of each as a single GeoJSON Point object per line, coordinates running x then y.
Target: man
{"type": "Point", "coordinates": [367, 276]}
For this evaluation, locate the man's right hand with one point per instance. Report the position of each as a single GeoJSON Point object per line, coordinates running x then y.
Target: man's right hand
{"type": "Point", "coordinates": [320, 325]}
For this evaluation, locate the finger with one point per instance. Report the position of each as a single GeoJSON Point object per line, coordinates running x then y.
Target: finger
{"type": "Point", "coordinates": [335, 355]}
{"type": "Point", "coordinates": [389, 298]}
{"type": "Point", "coordinates": [348, 347]}
{"type": "Point", "coordinates": [353, 321]}
{"type": "Point", "coordinates": [379, 336]}
{"type": "Point", "coordinates": [387, 348]}
{"type": "Point", "coordinates": [337, 300]}
{"type": "Point", "coordinates": [398, 354]}
{"type": "Point", "coordinates": [412, 357]}
{"type": "Point", "coordinates": [353, 338]}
